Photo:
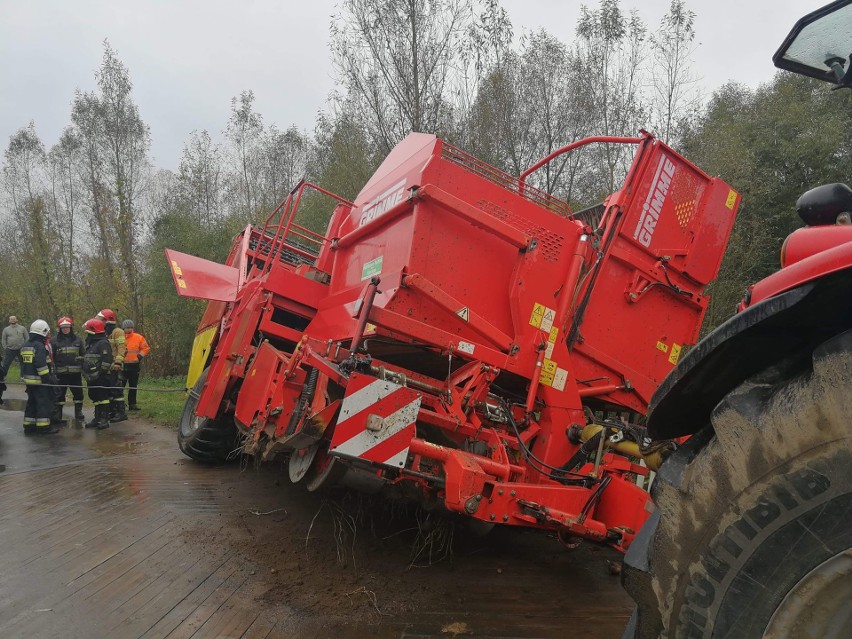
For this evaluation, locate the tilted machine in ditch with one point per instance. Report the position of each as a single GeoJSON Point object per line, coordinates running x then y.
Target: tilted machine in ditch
{"type": "Point", "coordinates": [461, 338]}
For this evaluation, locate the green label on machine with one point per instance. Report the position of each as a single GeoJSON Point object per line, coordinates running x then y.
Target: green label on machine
{"type": "Point", "coordinates": [371, 268]}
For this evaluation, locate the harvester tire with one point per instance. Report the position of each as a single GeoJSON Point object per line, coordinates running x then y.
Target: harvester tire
{"type": "Point", "coordinates": [752, 536]}
{"type": "Point", "coordinates": [210, 441]}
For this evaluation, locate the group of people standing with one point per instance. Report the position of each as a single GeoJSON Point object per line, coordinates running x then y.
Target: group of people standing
{"type": "Point", "coordinates": [107, 360]}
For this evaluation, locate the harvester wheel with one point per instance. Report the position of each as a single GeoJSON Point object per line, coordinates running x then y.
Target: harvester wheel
{"type": "Point", "coordinates": [205, 440]}
{"type": "Point", "coordinates": [325, 472]}
{"type": "Point", "coordinates": [752, 536]}
{"type": "Point", "coordinates": [300, 462]}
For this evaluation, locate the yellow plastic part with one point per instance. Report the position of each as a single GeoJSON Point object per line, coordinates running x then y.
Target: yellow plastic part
{"type": "Point", "coordinates": [200, 351]}
{"type": "Point", "coordinates": [631, 449]}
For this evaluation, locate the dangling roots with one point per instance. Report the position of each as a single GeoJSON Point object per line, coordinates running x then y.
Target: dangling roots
{"type": "Point", "coordinates": [345, 529]}
{"type": "Point", "coordinates": [434, 540]}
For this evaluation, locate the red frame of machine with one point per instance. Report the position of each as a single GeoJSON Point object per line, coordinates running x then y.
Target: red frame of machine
{"type": "Point", "coordinates": [574, 311]}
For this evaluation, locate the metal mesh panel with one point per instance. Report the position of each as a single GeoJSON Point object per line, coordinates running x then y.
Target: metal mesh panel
{"type": "Point", "coordinates": [684, 193]}
{"type": "Point", "coordinates": [508, 182]}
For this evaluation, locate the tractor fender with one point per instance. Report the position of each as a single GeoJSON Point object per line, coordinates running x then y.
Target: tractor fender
{"type": "Point", "coordinates": [776, 329]}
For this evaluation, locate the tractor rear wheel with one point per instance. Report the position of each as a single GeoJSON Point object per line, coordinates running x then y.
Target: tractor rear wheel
{"type": "Point", "coordinates": [211, 441]}
{"type": "Point", "coordinates": [752, 536]}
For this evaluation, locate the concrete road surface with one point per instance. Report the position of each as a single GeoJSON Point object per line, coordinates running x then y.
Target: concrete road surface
{"type": "Point", "coordinates": [116, 534]}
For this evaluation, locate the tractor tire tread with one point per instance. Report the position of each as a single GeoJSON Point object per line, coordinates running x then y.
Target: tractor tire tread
{"type": "Point", "coordinates": [767, 434]}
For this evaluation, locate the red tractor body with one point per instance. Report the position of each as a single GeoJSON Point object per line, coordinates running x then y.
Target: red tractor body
{"type": "Point", "coordinates": [460, 337]}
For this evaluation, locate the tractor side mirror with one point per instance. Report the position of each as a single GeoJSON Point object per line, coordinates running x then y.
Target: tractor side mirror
{"type": "Point", "coordinates": [821, 205]}
{"type": "Point", "coordinates": [819, 45]}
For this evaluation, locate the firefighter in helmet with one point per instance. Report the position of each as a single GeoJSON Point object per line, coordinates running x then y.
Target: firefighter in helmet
{"type": "Point", "coordinates": [38, 374]}
{"type": "Point", "coordinates": [68, 352]}
{"type": "Point", "coordinates": [97, 371]}
{"type": "Point", "coordinates": [115, 335]}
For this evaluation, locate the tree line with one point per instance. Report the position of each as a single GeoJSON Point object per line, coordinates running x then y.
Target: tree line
{"type": "Point", "coordinates": [83, 224]}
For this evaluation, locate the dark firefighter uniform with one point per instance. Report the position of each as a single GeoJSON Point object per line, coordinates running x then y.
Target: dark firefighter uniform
{"type": "Point", "coordinates": [97, 371]}
{"type": "Point", "coordinates": [36, 373]}
{"type": "Point", "coordinates": [68, 350]}
{"type": "Point", "coordinates": [118, 411]}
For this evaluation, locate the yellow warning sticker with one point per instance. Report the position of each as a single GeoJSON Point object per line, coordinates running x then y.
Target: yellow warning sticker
{"type": "Point", "coordinates": [554, 332]}
{"type": "Point", "coordinates": [732, 199]}
{"type": "Point", "coordinates": [537, 315]}
{"type": "Point", "coordinates": [181, 283]}
{"type": "Point", "coordinates": [546, 378]}
{"type": "Point", "coordinates": [176, 268]}
{"type": "Point", "coordinates": [549, 366]}
{"type": "Point", "coordinates": [675, 354]}
{"type": "Point", "coordinates": [663, 347]}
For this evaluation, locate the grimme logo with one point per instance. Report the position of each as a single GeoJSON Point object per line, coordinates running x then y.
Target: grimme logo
{"type": "Point", "coordinates": [379, 205]}
{"type": "Point", "coordinates": [654, 202]}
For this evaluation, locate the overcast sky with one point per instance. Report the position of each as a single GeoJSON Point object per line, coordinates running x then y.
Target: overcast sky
{"type": "Point", "coordinates": [188, 58]}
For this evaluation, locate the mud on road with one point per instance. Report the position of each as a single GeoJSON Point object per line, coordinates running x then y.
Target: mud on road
{"type": "Point", "coordinates": [117, 534]}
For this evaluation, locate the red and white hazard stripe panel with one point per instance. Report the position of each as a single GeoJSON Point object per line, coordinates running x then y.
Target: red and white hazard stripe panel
{"type": "Point", "coordinates": [376, 421]}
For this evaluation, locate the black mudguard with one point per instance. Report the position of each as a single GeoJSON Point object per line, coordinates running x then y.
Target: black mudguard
{"type": "Point", "coordinates": [775, 329]}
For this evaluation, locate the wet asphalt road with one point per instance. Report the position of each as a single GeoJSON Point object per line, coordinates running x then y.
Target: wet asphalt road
{"type": "Point", "coordinates": [116, 534]}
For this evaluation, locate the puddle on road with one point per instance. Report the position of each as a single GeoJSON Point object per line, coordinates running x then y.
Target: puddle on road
{"type": "Point", "coordinates": [13, 404]}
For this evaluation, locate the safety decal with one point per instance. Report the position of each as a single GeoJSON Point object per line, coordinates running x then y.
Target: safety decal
{"type": "Point", "coordinates": [542, 317]}
{"type": "Point", "coordinates": [662, 346]}
{"type": "Point", "coordinates": [464, 313]}
{"type": "Point", "coordinates": [675, 354]}
{"type": "Point", "coordinates": [377, 421]}
{"type": "Point", "coordinates": [371, 268]}
{"type": "Point", "coordinates": [551, 342]}
{"type": "Point", "coordinates": [559, 379]}
{"type": "Point", "coordinates": [548, 369]}
{"type": "Point", "coordinates": [467, 347]}
{"type": "Point", "coordinates": [732, 199]}
{"type": "Point", "coordinates": [178, 274]}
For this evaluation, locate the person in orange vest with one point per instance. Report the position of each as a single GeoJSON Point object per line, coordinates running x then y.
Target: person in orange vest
{"type": "Point", "coordinates": [137, 350]}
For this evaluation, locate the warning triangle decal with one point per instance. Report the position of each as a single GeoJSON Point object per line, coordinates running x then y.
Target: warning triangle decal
{"type": "Point", "coordinates": [464, 313]}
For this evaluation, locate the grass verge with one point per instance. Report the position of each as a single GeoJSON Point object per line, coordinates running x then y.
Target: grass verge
{"type": "Point", "coordinates": [163, 408]}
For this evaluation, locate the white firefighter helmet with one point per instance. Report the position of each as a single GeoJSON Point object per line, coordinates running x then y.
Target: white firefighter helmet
{"type": "Point", "coordinates": [40, 327]}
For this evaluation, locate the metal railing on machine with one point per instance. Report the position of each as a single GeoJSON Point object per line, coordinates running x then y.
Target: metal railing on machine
{"type": "Point", "coordinates": [288, 241]}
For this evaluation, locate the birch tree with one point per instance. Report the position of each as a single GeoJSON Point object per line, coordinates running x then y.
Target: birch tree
{"type": "Point", "coordinates": [674, 84]}
{"type": "Point", "coordinates": [115, 143]}
{"type": "Point", "coordinates": [396, 59]}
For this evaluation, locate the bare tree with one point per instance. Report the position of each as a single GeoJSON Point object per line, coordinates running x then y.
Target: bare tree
{"type": "Point", "coordinates": [674, 83]}
{"type": "Point", "coordinates": [115, 143]}
{"type": "Point", "coordinates": [611, 51]}
{"type": "Point", "coordinates": [244, 133]}
{"type": "Point", "coordinates": [531, 104]}
{"type": "Point", "coordinates": [201, 176]}
{"type": "Point", "coordinates": [35, 239]}
{"type": "Point", "coordinates": [65, 195]}
{"type": "Point", "coordinates": [284, 156]}
{"type": "Point", "coordinates": [395, 57]}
